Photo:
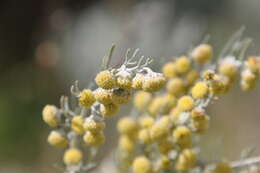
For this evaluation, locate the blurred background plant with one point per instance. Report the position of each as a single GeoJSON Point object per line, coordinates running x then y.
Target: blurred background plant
{"type": "Point", "coordinates": [46, 45]}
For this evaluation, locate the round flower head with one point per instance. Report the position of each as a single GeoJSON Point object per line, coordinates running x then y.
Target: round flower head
{"type": "Point", "coordinates": [182, 64]}
{"type": "Point", "coordinates": [186, 160]}
{"type": "Point", "coordinates": [124, 83]}
{"type": "Point", "coordinates": [93, 125]}
{"type": "Point", "coordinates": [86, 98]}
{"type": "Point", "coordinates": [156, 106]}
{"type": "Point", "coordinates": [175, 114]}
{"type": "Point", "coordinates": [77, 124]}
{"type": "Point", "coordinates": [165, 146]}
{"type": "Point", "coordinates": [137, 82]}
{"type": "Point", "coordinates": [103, 96]}
{"type": "Point", "coordinates": [142, 99]}
{"type": "Point", "coordinates": [109, 109]}
{"type": "Point", "coordinates": [185, 103]}
{"type": "Point", "coordinates": [127, 126]}
{"type": "Point", "coordinates": [245, 86]}
{"type": "Point", "coordinates": [200, 121]}
{"type": "Point", "coordinates": [105, 80]}
{"type": "Point", "coordinates": [49, 115]}
{"type": "Point", "coordinates": [144, 136]}
{"type": "Point", "coordinates": [171, 102]}
{"type": "Point", "coordinates": [253, 63]}
{"type": "Point", "coordinates": [182, 135]}
{"type": "Point", "coordinates": [199, 90]}
{"type": "Point", "coordinates": [158, 131]}
{"type": "Point", "coordinates": [220, 84]}
{"type": "Point", "coordinates": [94, 139]}
{"type": "Point", "coordinates": [120, 96]}
{"type": "Point", "coordinates": [248, 76]}
{"type": "Point", "coordinates": [56, 139]}
{"type": "Point", "coordinates": [169, 70]}
{"type": "Point", "coordinates": [126, 144]}
{"type": "Point", "coordinates": [192, 76]}
{"type": "Point", "coordinates": [176, 86]}
{"type": "Point", "coordinates": [163, 163]}
{"type": "Point", "coordinates": [72, 156]}
{"type": "Point", "coordinates": [222, 167]}
{"type": "Point", "coordinates": [154, 83]}
{"type": "Point", "coordinates": [202, 53]}
{"type": "Point", "coordinates": [142, 165]}
{"type": "Point", "coordinates": [208, 75]}
{"type": "Point", "coordinates": [146, 121]}
{"type": "Point", "coordinates": [229, 67]}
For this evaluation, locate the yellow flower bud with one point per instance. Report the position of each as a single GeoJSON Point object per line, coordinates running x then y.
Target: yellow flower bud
{"type": "Point", "coordinates": [72, 156]}
{"type": "Point", "coordinates": [146, 121]}
{"type": "Point", "coordinates": [86, 98]}
{"type": "Point", "coordinates": [103, 96]}
{"type": "Point", "coordinates": [223, 167]}
{"type": "Point", "coordinates": [127, 126]}
{"type": "Point", "coordinates": [77, 124]}
{"type": "Point", "coordinates": [120, 96]}
{"type": "Point", "coordinates": [154, 84]}
{"type": "Point", "coordinates": [182, 135]}
{"type": "Point", "coordinates": [182, 64]}
{"type": "Point", "coordinates": [199, 90]}
{"type": "Point", "coordinates": [175, 114]}
{"type": "Point", "coordinates": [137, 82]}
{"type": "Point", "coordinates": [94, 139]}
{"type": "Point", "coordinates": [169, 70]}
{"type": "Point", "coordinates": [176, 86]}
{"type": "Point", "coordinates": [192, 76]}
{"type": "Point", "coordinates": [158, 131]}
{"type": "Point", "coordinates": [163, 163]}
{"type": "Point", "coordinates": [165, 146]}
{"type": "Point", "coordinates": [185, 103]}
{"type": "Point", "coordinates": [124, 83]}
{"type": "Point", "coordinates": [142, 99]}
{"type": "Point", "coordinates": [144, 136]}
{"type": "Point", "coordinates": [142, 165]}
{"type": "Point", "coordinates": [202, 53]}
{"type": "Point", "coordinates": [109, 110]}
{"type": "Point", "coordinates": [156, 106]}
{"type": "Point", "coordinates": [105, 80]}
{"type": "Point", "coordinates": [56, 139]}
{"type": "Point", "coordinates": [253, 63]}
{"type": "Point", "coordinates": [228, 70]}
{"type": "Point", "coordinates": [94, 126]}
{"type": "Point", "coordinates": [49, 115]}
{"type": "Point", "coordinates": [126, 144]}
{"type": "Point", "coordinates": [186, 160]}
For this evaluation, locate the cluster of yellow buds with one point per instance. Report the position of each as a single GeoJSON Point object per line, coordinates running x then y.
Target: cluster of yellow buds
{"type": "Point", "coordinates": [158, 135]}
{"type": "Point", "coordinates": [164, 125]}
{"type": "Point", "coordinates": [85, 125]}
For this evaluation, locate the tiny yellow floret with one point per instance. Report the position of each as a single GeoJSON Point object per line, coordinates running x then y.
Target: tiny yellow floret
{"type": "Point", "coordinates": [49, 115]}
{"type": "Point", "coordinates": [105, 80]}
{"type": "Point", "coordinates": [199, 90]}
{"type": "Point", "coordinates": [86, 98]}
{"type": "Point", "coordinates": [109, 110]}
{"type": "Point", "coordinates": [94, 139]}
{"type": "Point", "coordinates": [169, 70]}
{"type": "Point", "coordinates": [72, 156]}
{"type": "Point", "coordinates": [56, 139]}
{"type": "Point", "coordinates": [142, 165]}
{"type": "Point", "coordinates": [182, 64]}
{"type": "Point", "coordinates": [77, 124]}
{"type": "Point", "coordinates": [127, 126]}
{"type": "Point", "coordinates": [185, 103]}
{"type": "Point", "coordinates": [202, 53]}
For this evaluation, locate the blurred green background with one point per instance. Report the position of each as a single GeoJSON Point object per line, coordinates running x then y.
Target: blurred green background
{"type": "Point", "coordinates": [46, 45]}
